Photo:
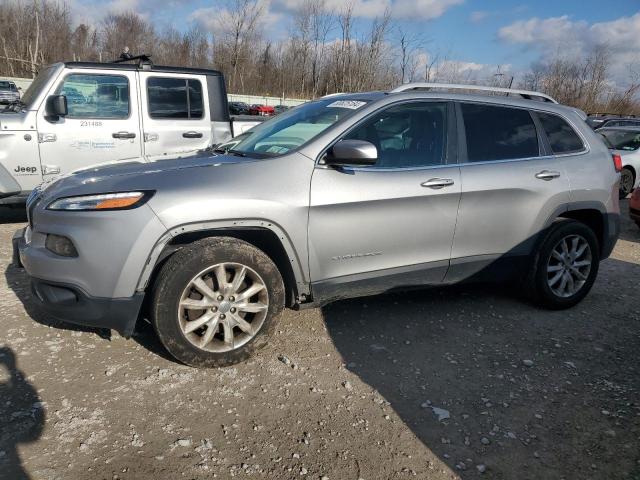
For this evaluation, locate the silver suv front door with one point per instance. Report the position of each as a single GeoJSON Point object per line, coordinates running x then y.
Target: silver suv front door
{"type": "Point", "coordinates": [392, 224]}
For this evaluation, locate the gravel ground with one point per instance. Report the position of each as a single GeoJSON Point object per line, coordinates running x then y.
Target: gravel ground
{"type": "Point", "coordinates": [464, 382]}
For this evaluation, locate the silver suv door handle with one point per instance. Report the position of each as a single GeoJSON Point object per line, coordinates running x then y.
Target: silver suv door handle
{"type": "Point", "coordinates": [123, 135]}
{"type": "Point", "coordinates": [437, 183]}
{"type": "Point", "coordinates": [547, 175]}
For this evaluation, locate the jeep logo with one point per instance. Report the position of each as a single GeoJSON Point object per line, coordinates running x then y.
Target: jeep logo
{"type": "Point", "coordinates": [27, 170]}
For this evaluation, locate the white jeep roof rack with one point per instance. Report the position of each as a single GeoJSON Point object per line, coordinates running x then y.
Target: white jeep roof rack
{"type": "Point", "coordinates": [452, 86]}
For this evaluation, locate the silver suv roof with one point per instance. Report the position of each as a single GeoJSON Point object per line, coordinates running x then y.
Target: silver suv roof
{"type": "Point", "coordinates": [526, 94]}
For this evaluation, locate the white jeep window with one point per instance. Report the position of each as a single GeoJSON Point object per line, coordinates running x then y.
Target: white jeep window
{"type": "Point", "coordinates": [96, 96]}
{"type": "Point", "coordinates": [175, 98]}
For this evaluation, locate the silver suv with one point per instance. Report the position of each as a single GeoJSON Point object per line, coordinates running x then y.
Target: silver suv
{"type": "Point", "coordinates": [345, 196]}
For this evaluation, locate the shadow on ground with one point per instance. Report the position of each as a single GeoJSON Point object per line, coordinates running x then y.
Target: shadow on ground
{"type": "Point", "coordinates": [22, 415]}
{"type": "Point", "coordinates": [12, 214]}
{"type": "Point", "coordinates": [462, 350]}
{"type": "Point", "coordinates": [18, 281]}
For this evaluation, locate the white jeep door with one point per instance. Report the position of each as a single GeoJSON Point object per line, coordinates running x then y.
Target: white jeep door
{"type": "Point", "coordinates": [102, 124]}
{"type": "Point", "coordinates": [176, 116]}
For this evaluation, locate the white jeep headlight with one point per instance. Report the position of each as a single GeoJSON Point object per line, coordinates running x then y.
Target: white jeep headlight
{"type": "Point", "coordinates": [104, 201]}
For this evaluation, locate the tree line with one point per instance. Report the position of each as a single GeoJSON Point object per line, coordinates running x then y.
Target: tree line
{"type": "Point", "coordinates": [323, 52]}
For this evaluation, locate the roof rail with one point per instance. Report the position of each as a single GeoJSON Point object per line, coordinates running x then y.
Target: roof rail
{"type": "Point", "coordinates": [529, 95]}
{"type": "Point", "coordinates": [329, 95]}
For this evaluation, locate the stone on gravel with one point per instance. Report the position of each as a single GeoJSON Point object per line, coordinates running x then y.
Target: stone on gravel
{"type": "Point", "coordinates": [441, 413]}
{"type": "Point", "coordinates": [284, 359]}
{"type": "Point", "coordinates": [527, 363]}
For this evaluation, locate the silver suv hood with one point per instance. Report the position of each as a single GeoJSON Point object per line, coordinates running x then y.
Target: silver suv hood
{"type": "Point", "coordinates": [123, 176]}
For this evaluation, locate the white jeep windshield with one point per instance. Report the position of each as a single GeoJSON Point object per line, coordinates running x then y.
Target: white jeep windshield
{"type": "Point", "coordinates": [36, 86]}
{"type": "Point", "coordinates": [292, 129]}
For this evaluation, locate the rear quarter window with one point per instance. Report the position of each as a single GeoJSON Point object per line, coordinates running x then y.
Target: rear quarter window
{"type": "Point", "coordinates": [562, 137]}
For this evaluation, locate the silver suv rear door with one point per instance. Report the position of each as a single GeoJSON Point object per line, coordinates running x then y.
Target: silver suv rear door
{"type": "Point", "coordinates": [511, 186]}
{"type": "Point", "coordinates": [392, 224]}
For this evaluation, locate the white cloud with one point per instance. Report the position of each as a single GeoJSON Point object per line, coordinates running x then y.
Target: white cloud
{"type": "Point", "coordinates": [401, 9]}
{"type": "Point", "coordinates": [90, 12]}
{"type": "Point", "coordinates": [215, 18]}
{"type": "Point", "coordinates": [562, 36]}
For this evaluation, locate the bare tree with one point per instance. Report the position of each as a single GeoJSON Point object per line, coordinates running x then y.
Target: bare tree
{"type": "Point", "coordinates": [238, 33]}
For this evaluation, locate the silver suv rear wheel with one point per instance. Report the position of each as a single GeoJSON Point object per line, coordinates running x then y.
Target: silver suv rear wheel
{"type": "Point", "coordinates": [569, 265]}
{"type": "Point", "coordinates": [565, 265]}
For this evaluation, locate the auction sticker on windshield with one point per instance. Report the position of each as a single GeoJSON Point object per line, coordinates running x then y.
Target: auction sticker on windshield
{"type": "Point", "coordinates": [352, 104]}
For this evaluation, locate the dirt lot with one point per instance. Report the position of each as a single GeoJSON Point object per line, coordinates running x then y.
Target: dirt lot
{"type": "Point", "coordinates": [466, 382]}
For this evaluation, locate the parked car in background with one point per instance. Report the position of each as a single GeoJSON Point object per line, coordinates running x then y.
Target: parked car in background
{"type": "Point", "coordinates": [238, 108]}
{"type": "Point", "coordinates": [9, 93]}
{"type": "Point", "coordinates": [345, 196]}
{"type": "Point", "coordinates": [262, 110]}
{"type": "Point", "coordinates": [78, 114]}
{"type": "Point", "coordinates": [596, 122]}
{"type": "Point", "coordinates": [625, 142]}
{"type": "Point", "coordinates": [280, 108]}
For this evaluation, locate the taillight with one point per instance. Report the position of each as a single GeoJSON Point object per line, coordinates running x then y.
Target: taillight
{"type": "Point", "coordinates": [617, 162]}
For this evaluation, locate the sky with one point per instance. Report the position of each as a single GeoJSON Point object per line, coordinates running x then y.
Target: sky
{"type": "Point", "coordinates": [479, 35]}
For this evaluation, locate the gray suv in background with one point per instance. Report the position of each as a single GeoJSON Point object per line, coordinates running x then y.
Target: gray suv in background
{"type": "Point", "coordinates": [345, 196]}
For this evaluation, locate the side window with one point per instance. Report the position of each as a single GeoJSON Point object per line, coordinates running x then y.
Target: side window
{"type": "Point", "coordinates": [175, 98]}
{"type": "Point", "coordinates": [407, 135]}
{"type": "Point", "coordinates": [498, 133]}
{"type": "Point", "coordinates": [96, 96]}
{"type": "Point", "coordinates": [562, 137]}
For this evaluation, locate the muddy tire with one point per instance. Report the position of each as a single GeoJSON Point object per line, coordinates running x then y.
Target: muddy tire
{"type": "Point", "coordinates": [216, 301]}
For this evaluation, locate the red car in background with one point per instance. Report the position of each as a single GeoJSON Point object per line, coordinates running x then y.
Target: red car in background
{"type": "Point", "coordinates": [263, 110]}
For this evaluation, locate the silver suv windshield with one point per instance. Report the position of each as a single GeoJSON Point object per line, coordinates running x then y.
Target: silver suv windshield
{"type": "Point", "coordinates": [292, 129]}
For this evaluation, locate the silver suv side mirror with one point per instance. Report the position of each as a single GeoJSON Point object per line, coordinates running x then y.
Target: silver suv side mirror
{"type": "Point", "coordinates": [57, 106]}
{"type": "Point", "coordinates": [352, 152]}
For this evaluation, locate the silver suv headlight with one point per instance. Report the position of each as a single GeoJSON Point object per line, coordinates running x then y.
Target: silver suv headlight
{"type": "Point", "coordinates": [103, 201]}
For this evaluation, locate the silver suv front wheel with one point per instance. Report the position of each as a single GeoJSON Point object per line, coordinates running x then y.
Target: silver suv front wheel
{"type": "Point", "coordinates": [223, 307]}
{"type": "Point", "coordinates": [216, 301]}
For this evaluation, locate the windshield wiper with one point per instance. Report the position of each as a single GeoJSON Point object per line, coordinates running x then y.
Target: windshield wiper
{"type": "Point", "coordinates": [231, 151]}
{"type": "Point", "coordinates": [236, 152]}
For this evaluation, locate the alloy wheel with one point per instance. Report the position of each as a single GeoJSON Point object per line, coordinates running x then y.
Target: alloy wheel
{"type": "Point", "coordinates": [223, 307]}
{"type": "Point", "coordinates": [569, 265]}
